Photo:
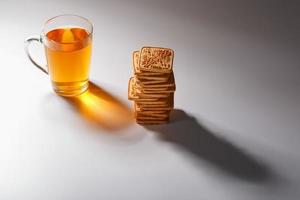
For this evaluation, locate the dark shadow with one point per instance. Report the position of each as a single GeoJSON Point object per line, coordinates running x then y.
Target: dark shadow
{"type": "Point", "coordinates": [185, 131]}
{"type": "Point", "coordinates": [102, 109]}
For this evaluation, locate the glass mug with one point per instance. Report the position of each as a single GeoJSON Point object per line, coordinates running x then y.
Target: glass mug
{"type": "Point", "coordinates": [68, 46]}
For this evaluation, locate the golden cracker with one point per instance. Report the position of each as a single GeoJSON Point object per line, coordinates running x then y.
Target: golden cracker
{"type": "Point", "coordinates": [146, 73]}
{"type": "Point", "coordinates": [157, 115]}
{"type": "Point", "coordinates": [156, 59]}
{"type": "Point", "coordinates": [152, 78]}
{"type": "Point", "coordinates": [146, 99]}
{"type": "Point", "coordinates": [166, 112]}
{"type": "Point", "coordinates": [152, 122]}
{"type": "Point", "coordinates": [159, 85]}
{"type": "Point", "coordinates": [152, 118]}
{"type": "Point", "coordinates": [158, 92]}
{"type": "Point", "coordinates": [136, 60]}
{"type": "Point", "coordinates": [140, 94]}
{"type": "Point", "coordinates": [131, 91]}
{"type": "Point", "coordinates": [138, 108]}
{"type": "Point", "coordinates": [152, 103]}
{"type": "Point", "coordinates": [145, 83]}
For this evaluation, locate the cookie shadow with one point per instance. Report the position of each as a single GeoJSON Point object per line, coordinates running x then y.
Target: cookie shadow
{"type": "Point", "coordinates": [186, 132]}
{"type": "Point", "coordinates": [101, 109]}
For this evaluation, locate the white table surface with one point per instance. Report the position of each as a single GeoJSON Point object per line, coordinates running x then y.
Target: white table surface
{"type": "Point", "coordinates": [235, 131]}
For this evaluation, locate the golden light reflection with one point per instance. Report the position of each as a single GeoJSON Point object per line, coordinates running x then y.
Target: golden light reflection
{"type": "Point", "coordinates": [101, 108]}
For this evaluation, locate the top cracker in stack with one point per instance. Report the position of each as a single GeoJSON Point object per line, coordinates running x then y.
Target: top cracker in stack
{"type": "Point", "coordinates": [153, 85]}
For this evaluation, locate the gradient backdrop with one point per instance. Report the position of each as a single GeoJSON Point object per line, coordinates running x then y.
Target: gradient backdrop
{"type": "Point", "coordinates": [236, 128]}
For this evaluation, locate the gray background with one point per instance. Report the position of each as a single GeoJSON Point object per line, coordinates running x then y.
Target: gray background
{"type": "Point", "coordinates": [234, 132]}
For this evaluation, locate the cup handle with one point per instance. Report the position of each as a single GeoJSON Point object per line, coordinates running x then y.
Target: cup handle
{"type": "Point", "coordinates": [27, 42]}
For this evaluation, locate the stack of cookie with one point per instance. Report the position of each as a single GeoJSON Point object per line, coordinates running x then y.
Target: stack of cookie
{"type": "Point", "coordinates": [153, 85]}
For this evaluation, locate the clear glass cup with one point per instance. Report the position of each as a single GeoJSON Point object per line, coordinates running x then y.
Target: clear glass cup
{"type": "Point", "coordinates": [67, 40]}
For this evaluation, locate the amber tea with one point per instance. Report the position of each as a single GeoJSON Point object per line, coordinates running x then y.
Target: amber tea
{"type": "Point", "coordinates": [68, 53]}
{"type": "Point", "coordinates": [68, 45]}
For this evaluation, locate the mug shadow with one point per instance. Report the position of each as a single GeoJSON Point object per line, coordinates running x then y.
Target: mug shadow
{"type": "Point", "coordinates": [102, 109]}
{"type": "Point", "coordinates": [186, 132]}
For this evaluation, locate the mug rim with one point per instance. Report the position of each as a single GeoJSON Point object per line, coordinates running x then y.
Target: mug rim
{"type": "Point", "coordinates": [90, 33]}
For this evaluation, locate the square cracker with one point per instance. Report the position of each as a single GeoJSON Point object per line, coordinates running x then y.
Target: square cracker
{"type": "Point", "coordinates": [161, 112]}
{"type": "Point", "coordinates": [144, 82]}
{"type": "Point", "coordinates": [158, 79]}
{"type": "Point", "coordinates": [161, 102]}
{"type": "Point", "coordinates": [156, 59]}
{"type": "Point", "coordinates": [138, 71]}
{"type": "Point", "coordinates": [160, 95]}
{"type": "Point", "coordinates": [152, 118]}
{"type": "Point", "coordinates": [149, 114]}
{"type": "Point", "coordinates": [136, 92]}
{"type": "Point", "coordinates": [133, 93]}
{"type": "Point", "coordinates": [139, 108]}
{"type": "Point", "coordinates": [136, 60]}
{"type": "Point", "coordinates": [169, 101]}
{"type": "Point", "coordinates": [152, 122]}
{"type": "Point", "coordinates": [153, 78]}
{"type": "Point", "coordinates": [169, 81]}
{"type": "Point", "coordinates": [158, 91]}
